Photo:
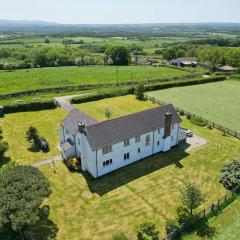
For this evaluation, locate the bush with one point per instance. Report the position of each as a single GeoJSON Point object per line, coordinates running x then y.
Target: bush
{"type": "Point", "coordinates": [139, 92]}
{"type": "Point", "coordinates": [119, 236]}
{"type": "Point", "coordinates": [30, 106]}
{"type": "Point", "coordinates": [171, 225]}
{"type": "Point", "coordinates": [230, 175]}
{"type": "Point", "coordinates": [181, 112]}
{"type": "Point", "coordinates": [148, 231]}
{"type": "Point", "coordinates": [197, 121]}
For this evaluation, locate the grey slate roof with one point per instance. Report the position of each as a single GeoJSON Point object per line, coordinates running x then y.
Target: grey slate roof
{"type": "Point", "coordinates": [74, 118]}
{"type": "Point", "coordinates": [116, 130]}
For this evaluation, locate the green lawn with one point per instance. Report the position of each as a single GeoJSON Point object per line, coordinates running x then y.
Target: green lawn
{"type": "Point", "coordinates": [118, 106]}
{"type": "Point", "coordinates": [94, 209]}
{"type": "Point", "coordinates": [14, 128]}
{"type": "Point", "coordinates": [226, 225]}
{"type": "Point", "coordinates": [218, 102]}
{"type": "Point", "coordinates": [20, 80]}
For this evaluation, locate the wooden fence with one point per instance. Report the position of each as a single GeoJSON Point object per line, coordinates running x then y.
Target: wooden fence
{"type": "Point", "coordinates": [189, 114]}
{"type": "Point", "coordinates": [213, 209]}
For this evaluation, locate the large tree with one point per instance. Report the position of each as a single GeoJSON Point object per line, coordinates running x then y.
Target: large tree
{"type": "Point", "coordinates": [32, 136]}
{"type": "Point", "coordinates": [230, 175]}
{"type": "Point", "coordinates": [22, 191]}
{"type": "Point", "coordinates": [191, 197]}
{"type": "Point", "coordinates": [148, 231]}
{"type": "Point", "coordinates": [120, 55]}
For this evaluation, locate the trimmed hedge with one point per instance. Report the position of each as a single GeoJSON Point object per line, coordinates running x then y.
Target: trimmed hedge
{"type": "Point", "coordinates": [148, 87]}
{"type": "Point", "coordinates": [30, 106]}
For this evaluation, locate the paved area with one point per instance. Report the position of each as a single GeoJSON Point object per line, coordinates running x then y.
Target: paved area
{"type": "Point", "coordinates": [193, 143]}
{"type": "Point", "coordinates": [47, 162]}
{"type": "Point", "coordinates": [64, 102]}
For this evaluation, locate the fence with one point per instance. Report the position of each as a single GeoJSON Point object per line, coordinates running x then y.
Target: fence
{"type": "Point", "coordinates": [208, 123]}
{"type": "Point", "coordinates": [205, 213]}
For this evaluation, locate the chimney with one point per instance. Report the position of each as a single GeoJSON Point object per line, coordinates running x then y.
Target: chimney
{"type": "Point", "coordinates": [168, 124]}
{"type": "Point", "coordinates": [82, 127]}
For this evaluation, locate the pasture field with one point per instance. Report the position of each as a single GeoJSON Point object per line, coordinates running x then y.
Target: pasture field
{"type": "Point", "coordinates": [14, 128]}
{"type": "Point", "coordinates": [226, 225]}
{"type": "Point", "coordinates": [218, 102]}
{"type": "Point", "coordinates": [147, 189]}
{"type": "Point", "coordinates": [20, 80]}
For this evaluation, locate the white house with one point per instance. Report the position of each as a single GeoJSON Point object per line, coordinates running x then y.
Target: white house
{"type": "Point", "coordinates": [184, 62]}
{"type": "Point", "coordinates": [103, 147]}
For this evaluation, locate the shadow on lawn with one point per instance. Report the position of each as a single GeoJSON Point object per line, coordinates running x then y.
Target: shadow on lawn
{"type": "Point", "coordinates": [135, 170]}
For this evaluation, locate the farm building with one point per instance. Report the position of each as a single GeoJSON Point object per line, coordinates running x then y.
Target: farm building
{"type": "Point", "coordinates": [103, 147]}
{"type": "Point", "coordinates": [184, 62]}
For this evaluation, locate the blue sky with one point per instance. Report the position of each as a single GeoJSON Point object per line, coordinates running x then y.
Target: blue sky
{"type": "Point", "coordinates": [121, 11]}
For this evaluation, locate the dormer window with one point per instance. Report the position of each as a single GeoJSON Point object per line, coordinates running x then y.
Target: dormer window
{"type": "Point", "coordinates": [137, 139]}
{"type": "Point", "coordinates": [147, 140]}
{"type": "Point", "coordinates": [126, 142]}
{"type": "Point", "coordinates": [107, 149]}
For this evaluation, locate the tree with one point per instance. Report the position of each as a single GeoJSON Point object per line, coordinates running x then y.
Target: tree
{"type": "Point", "coordinates": [22, 191]}
{"type": "Point", "coordinates": [139, 92]}
{"type": "Point", "coordinates": [171, 225]}
{"type": "Point", "coordinates": [120, 55]}
{"type": "Point", "coordinates": [3, 148]}
{"type": "Point", "coordinates": [119, 236]}
{"type": "Point", "coordinates": [148, 231]}
{"type": "Point", "coordinates": [46, 40]}
{"type": "Point", "coordinates": [108, 113]}
{"type": "Point", "coordinates": [230, 175]}
{"type": "Point", "coordinates": [191, 197]}
{"type": "Point", "coordinates": [79, 61]}
{"type": "Point", "coordinates": [33, 137]}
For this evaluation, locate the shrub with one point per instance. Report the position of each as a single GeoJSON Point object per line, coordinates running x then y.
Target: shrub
{"type": "Point", "coordinates": [30, 106]}
{"type": "Point", "coordinates": [181, 112]}
{"type": "Point", "coordinates": [139, 92]}
{"type": "Point", "coordinates": [148, 231]}
{"type": "Point", "coordinates": [198, 121]}
{"type": "Point", "coordinates": [171, 225]}
{"type": "Point", "coordinates": [230, 175]}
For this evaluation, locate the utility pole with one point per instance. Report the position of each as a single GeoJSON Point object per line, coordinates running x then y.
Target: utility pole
{"type": "Point", "coordinates": [117, 62]}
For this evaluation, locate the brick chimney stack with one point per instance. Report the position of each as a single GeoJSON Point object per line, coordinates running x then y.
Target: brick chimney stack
{"type": "Point", "coordinates": [168, 124]}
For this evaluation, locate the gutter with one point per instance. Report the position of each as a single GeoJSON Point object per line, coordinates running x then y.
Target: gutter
{"type": "Point", "coordinates": [96, 163]}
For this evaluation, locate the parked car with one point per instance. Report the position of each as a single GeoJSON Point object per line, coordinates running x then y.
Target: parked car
{"type": "Point", "coordinates": [189, 133]}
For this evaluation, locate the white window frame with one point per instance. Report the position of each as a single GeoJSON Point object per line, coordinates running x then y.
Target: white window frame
{"type": "Point", "coordinates": [107, 149]}
{"type": "Point", "coordinates": [110, 162]}
{"type": "Point", "coordinates": [126, 156]}
{"type": "Point", "coordinates": [148, 140]}
{"type": "Point", "coordinates": [138, 139]}
{"type": "Point", "coordinates": [126, 142]}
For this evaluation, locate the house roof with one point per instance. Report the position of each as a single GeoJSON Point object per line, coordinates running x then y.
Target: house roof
{"type": "Point", "coordinates": [114, 131]}
{"type": "Point", "coordinates": [185, 59]}
{"type": "Point", "coordinates": [74, 118]}
{"type": "Point", "coordinates": [65, 146]}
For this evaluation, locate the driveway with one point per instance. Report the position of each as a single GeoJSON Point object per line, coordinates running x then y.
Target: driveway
{"type": "Point", "coordinates": [193, 143]}
{"type": "Point", "coordinates": [64, 101]}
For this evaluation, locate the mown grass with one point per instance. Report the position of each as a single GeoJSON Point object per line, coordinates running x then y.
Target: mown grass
{"type": "Point", "coordinates": [226, 225]}
{"type": "Point", "coordinates": [94, 209]}
{"type": "Point", "coordinates": [20, 80]}
{"type": "Point", "coordinates": [118, 107]}
{"type": "Point", "coordinates": [14, 128]}
{"type": "Point", "coordinates": [218, 102]}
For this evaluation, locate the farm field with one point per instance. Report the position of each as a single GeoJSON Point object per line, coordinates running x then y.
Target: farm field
{"type": "Point", "coordinates": [226, 225]}
{"type": "Point", "coordinates": [218, 102]}
{"type": "Point", "coordinates": [14, 128]}
{"type": "Point", "coordinates": [146, 189]}
{"type": "Point", "coordinates": [20, 80]}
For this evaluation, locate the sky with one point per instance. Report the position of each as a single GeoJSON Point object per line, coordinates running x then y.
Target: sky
{"type": "Point", "coordinates": [121, 11]}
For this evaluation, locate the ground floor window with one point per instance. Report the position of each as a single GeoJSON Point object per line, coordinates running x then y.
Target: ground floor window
{"type": "Point", "coordinates": [107, 162]}
{"type": "Point", "coordinates": [126, 156]}
{"type": "Point", "coordinates": [139, 150]}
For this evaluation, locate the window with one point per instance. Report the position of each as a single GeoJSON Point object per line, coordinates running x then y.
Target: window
{"type": "Point", "coordinates": [139, 150]}
{"type": "Point", "coordinates": [159, 130]}
{"type": "Point", "coordinates": [158, 143]}
{"type": "Point", "coordinates": [107, 163]}
{"type": "Point", "coordinates": [107, 149]}
{"type": "Point", "coordinates": [78, 141]}
{"type": "Point", "coordinates": [147, 140]}
{"type": "Point", "coordinates": [126, 156]}
{"type": "Point", "coordinates": [137, 139]}
{"type": "Point", "coordinates": [126, 142]}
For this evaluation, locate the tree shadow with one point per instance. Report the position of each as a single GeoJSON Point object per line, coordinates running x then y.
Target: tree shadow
{"type": "Point", "coordinates": [204, 230]}
{"type": "Point", "coordinates": [135, 170]}
{"type": "Point", "coordinates": [4, 160]}
{"type": "Point", "coordinates": [34, 149]}
{"type": "Point", "coordinates": [44, 229]}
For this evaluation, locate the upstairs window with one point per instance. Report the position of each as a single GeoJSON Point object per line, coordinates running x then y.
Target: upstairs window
{"type": "Point", "coordinates": [147, 140]}
{"type": "Point", "coordinates": [126, 142]}
{"type": "Point", "coordinates": [159, 130]}
{"type": "Point", "coordinates": [137, 139]}
{"type": "Point", "coordinates": [107, 149]}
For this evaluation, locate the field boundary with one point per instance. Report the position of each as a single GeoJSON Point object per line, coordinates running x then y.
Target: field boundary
{"type": "Point", "coordinates": [189, 115]}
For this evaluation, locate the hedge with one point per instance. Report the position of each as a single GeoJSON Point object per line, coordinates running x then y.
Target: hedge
{"type": "Point", "coordinates": [30, 106]}
{"type": "Point", "coordinates": [148, 87]}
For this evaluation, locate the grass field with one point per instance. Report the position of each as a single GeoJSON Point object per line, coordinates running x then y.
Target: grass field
{"type": "Point", "coordinates": [53, 77]}
{"type": "Point", "coordinates": [226, 225]}
{"type": "Point", "coordinates": [14, 128]}
{"type": "Point", "coordinates": [147, 189]}
{"type": "Point", "coordinates": [218, 102]}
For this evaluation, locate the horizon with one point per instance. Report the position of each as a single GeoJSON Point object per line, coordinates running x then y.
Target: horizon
{"type": "Point", "coordinates": [107, 12]}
